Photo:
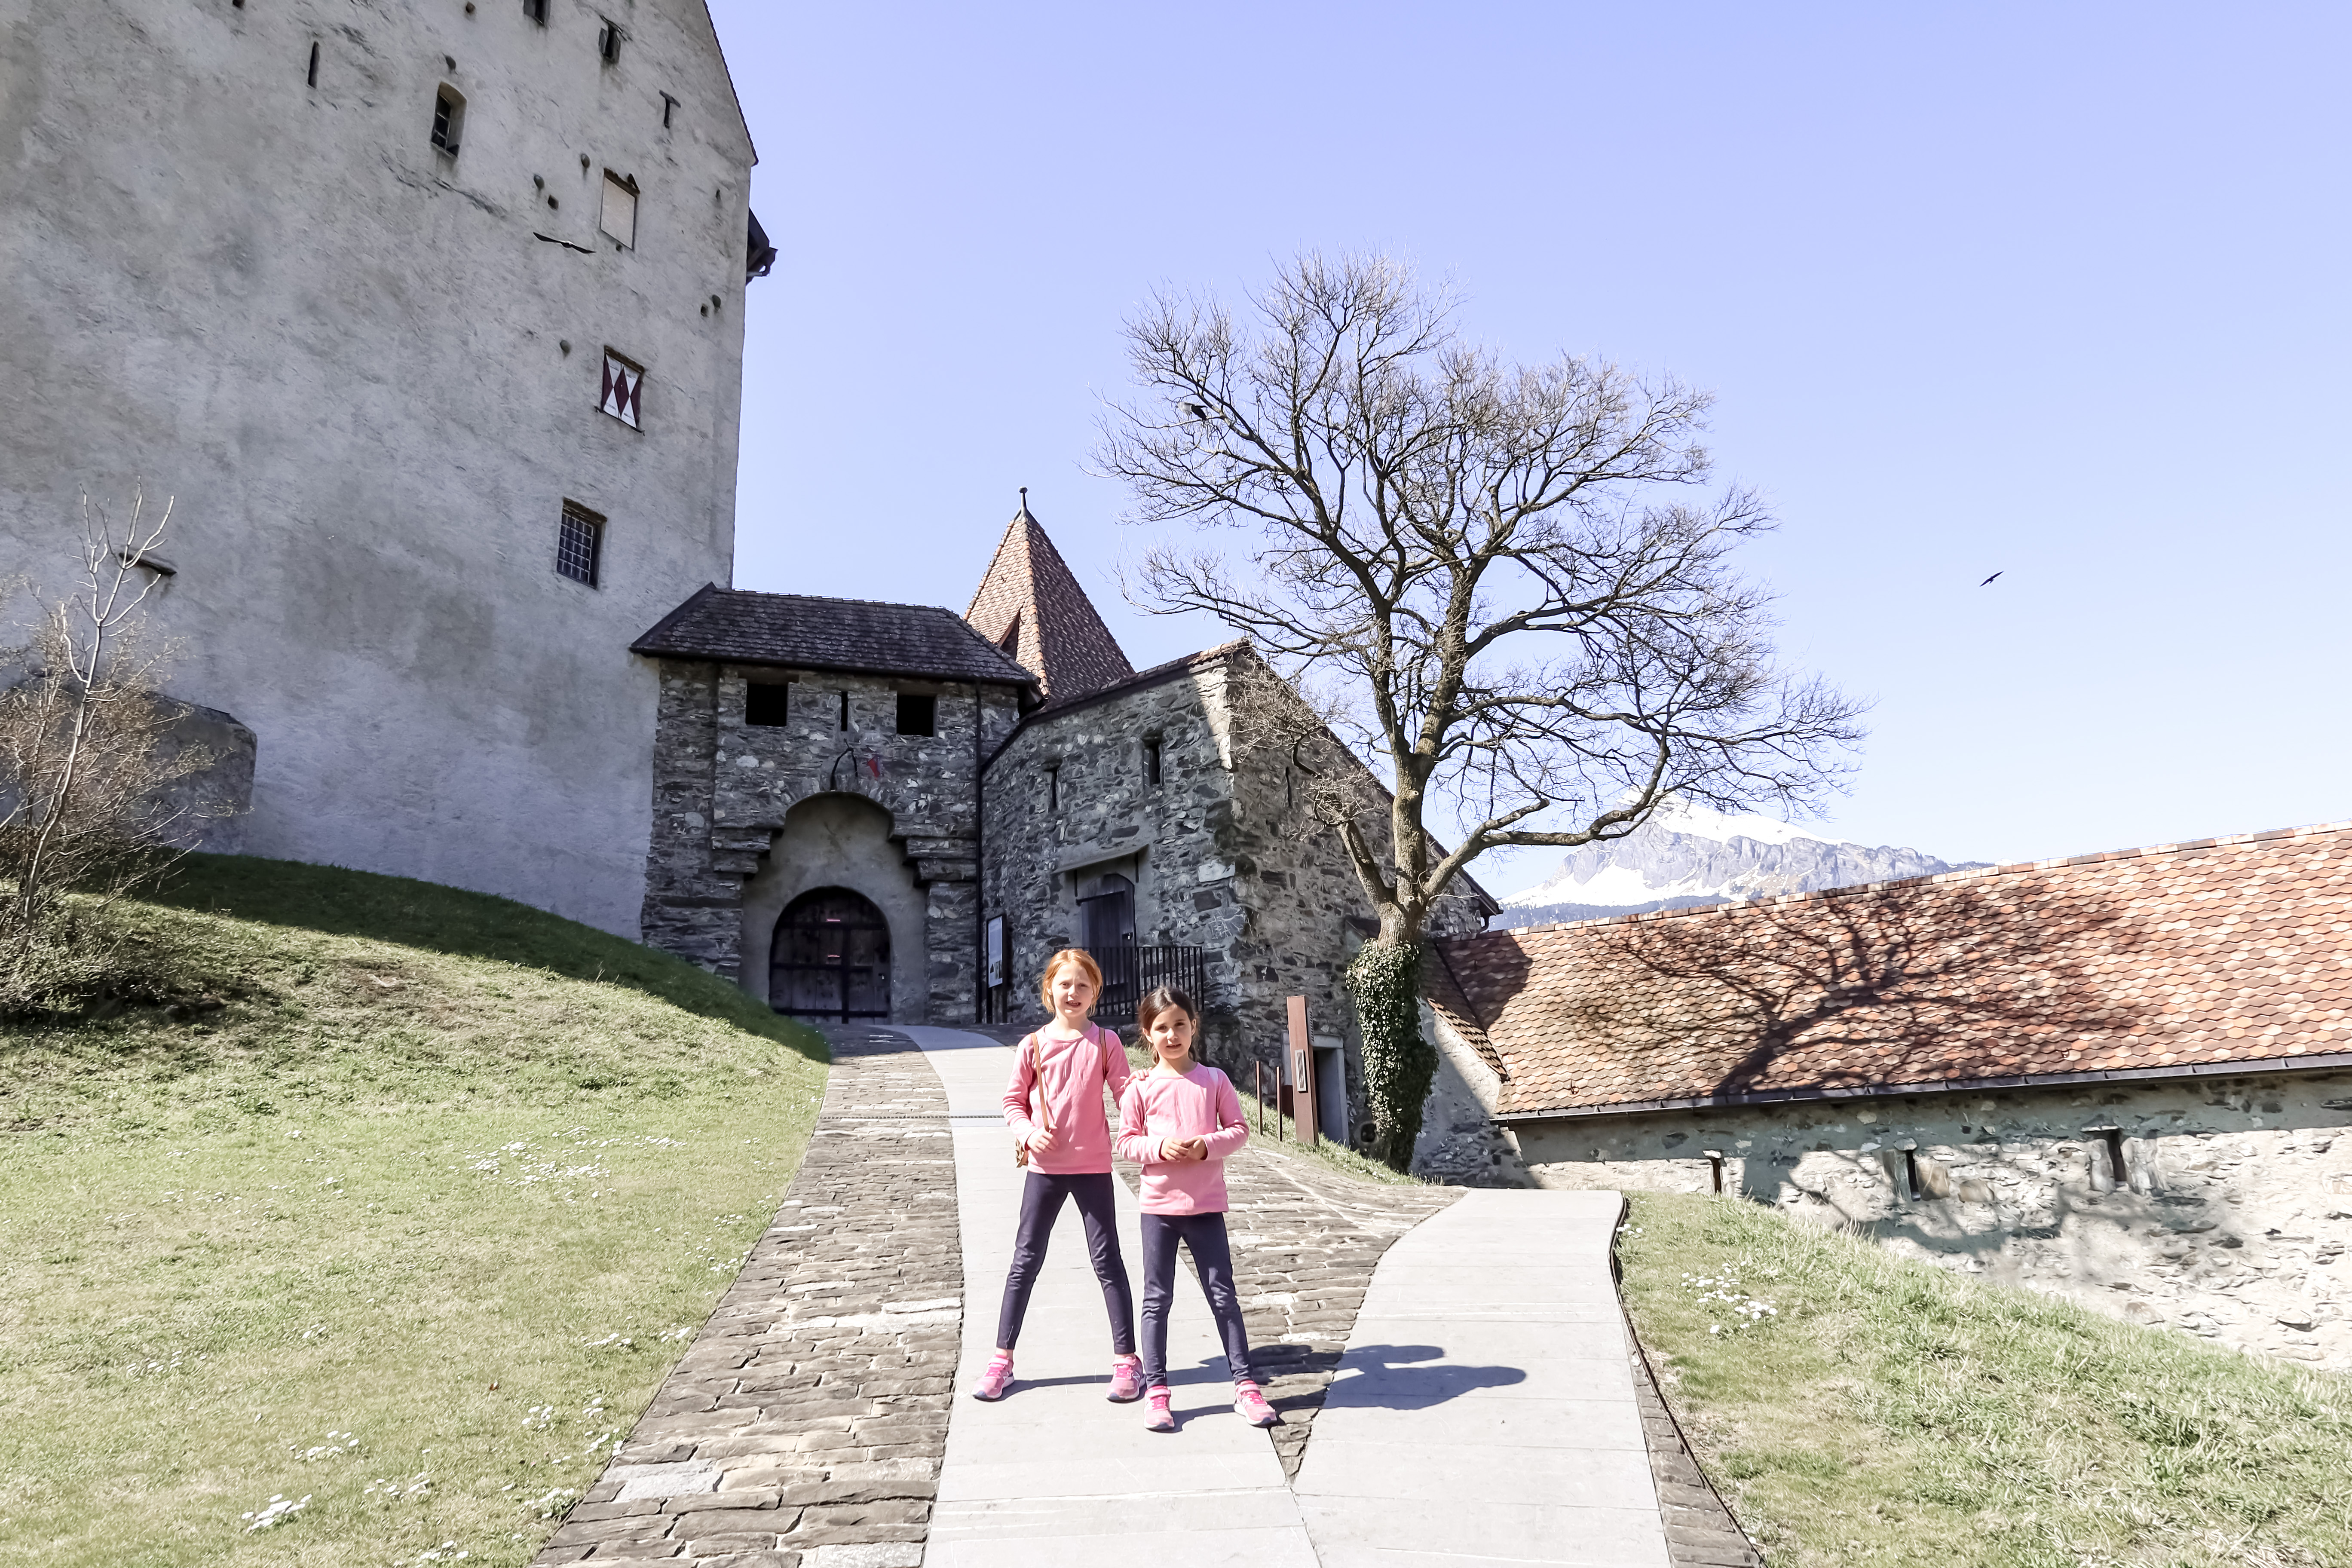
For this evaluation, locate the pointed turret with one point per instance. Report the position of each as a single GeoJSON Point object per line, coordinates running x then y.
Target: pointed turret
{"type": "Point", "coordinates": [1030, 604]}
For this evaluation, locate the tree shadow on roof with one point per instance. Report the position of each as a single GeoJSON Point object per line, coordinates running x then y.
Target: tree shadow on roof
{"type": "Point", "coordinates": [1896, 985]}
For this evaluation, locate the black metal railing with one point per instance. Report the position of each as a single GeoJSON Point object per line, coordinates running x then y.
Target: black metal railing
{"type": "Point", "coordinates": [1130, 971]}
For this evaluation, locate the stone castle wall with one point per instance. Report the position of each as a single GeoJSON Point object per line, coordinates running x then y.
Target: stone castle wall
{"type": "Point", "coordinates": [1224, 853]}
{"type": "Point", "coordinates": [1112, 819]}
{"type": "Point", "coordinates": [2231, 1220]}
{"type": "Point", "coordinates": [368, 373]}
{"type": "Point", "coordinates": [725, 790]}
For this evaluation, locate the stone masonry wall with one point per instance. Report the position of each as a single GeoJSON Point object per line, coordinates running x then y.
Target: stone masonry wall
{"type": "Point", "coordinates": [2232, 1222]}
{"type": "Point", "coordinates": [1112, 819]}
{"type": "Point", "coordinates": [1223, 854]}
{"type": "Point", "coordinates": [724, 787]}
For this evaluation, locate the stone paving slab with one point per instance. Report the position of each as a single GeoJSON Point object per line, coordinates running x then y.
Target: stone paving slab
{"type": "Point", "coordinates": [1470, 1345]}
{"type": "Point", "coordinates": [1055, 1472]}
{"type": "Point", "coordinates": [804, 1426]}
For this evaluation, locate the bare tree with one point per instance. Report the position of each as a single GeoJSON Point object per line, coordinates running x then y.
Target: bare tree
{"type": "Point", "coordinates": [85, 779]}
{"type": "Point", "coordinates": [1493, 580]}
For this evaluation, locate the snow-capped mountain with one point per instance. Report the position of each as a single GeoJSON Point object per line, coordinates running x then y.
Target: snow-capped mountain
{"type": "Point", "coordinates": [1687, 855]}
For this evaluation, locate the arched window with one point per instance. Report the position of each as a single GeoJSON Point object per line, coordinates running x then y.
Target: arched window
{"type": "Point", "coordinates": [831, 958]}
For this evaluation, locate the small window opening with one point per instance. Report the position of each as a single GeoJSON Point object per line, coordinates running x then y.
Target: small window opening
{"type": "Point", "coordinates": [536, 10]}
{"type": "Point", "coordinates": [844, 710]}
{"type": "Point", "coordinates": [608, 43]}
{"type": "Point", "coordinates": [1911, 1183]}
{"type": "Point", "coordinates": [579, 544]}
{"type": "Point", "coordinates": [2112, 1140]}
{"type": "Point", "coordinates": [1714, 1165]}
{"type": "Point", "coordinates": [766, 704]}
{"type": "Point", "coordinates": [1152, 762]}
{"type": "Point", "coordinates": [918, 715]}
{"type": "Point", "coordinates": [669, 106]}
{"type": "Point", "coordinates": [448, 119]}
{"type": "Point", "coordinates": [620, 216]}
{"type": "Point", "coordinates": [314, 63]}
{"type": "Point", "coordinates": [1053, 789]}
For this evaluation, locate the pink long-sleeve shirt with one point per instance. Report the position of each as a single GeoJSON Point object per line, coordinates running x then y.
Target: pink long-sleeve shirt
{"type": "Point", "coordinates": [1197, 1103]}
{"type": "Point", "coordinates": [1069, 1094]}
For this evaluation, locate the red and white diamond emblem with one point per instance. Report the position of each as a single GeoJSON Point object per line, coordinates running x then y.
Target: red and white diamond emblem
{"type": "Point", "coordinates": [621, 384]}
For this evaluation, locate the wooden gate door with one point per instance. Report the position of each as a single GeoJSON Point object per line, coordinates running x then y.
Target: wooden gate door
{"type": "Point", "coordinates": [831, 958]}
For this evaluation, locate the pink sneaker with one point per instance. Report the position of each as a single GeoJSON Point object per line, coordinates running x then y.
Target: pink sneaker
{"type": "Point", "coordinates": [1251, 1406]}
{"type": "Point", "coordinates": [993, 1378]}
{"type": "Point", "coordinates": [1159, 1419]}
{"type": "Point", "coordinates": [1126, 1379]}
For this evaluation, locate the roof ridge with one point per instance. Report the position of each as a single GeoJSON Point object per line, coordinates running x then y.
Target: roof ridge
{"type": "Point", "coordinates": [2012, 867]}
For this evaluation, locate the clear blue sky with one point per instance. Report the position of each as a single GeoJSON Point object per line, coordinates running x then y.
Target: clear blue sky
{"type": "Point", "coordinates": [2055, 291]}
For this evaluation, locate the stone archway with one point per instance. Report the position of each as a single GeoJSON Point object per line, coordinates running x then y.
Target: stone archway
{"type": "Point", "coordinates": [830, 958]}
{"type": "Point", "coordinates": [843, 843]}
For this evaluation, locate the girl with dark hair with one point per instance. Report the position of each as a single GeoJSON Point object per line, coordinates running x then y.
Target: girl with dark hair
{"type": "Point", "coordinates": [1181, 1122]}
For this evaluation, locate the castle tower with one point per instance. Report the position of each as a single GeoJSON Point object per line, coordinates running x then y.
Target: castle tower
{"type": "Point", "coordinates": [431, 320]}
{"type": "Point", "coordinates": [1030, 605]}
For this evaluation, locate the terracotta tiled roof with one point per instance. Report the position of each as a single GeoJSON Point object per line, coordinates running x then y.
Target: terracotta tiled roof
{"type": "Point", "coordinates": [854, 636]}
{"type": "Point", "coordinates": [2175, 959]}
{"type": "Point", "coordinates": [1030, 604]}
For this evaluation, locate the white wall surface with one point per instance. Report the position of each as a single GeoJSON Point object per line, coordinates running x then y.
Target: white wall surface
{"type": "Point", "coordinates": [340, 351]}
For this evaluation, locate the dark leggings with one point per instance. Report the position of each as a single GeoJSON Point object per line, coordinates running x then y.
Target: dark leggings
{"type": "Point", "coordinates": [1204, 1234]}
{"type": "Point", "coordinates": [1041, 1205]}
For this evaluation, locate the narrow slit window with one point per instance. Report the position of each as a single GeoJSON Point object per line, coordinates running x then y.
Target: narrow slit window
{"type": "Point", "coordinates": [2112, 1140]}
{"type": "Point", "coordinates": [844, 711]}
{"type": "Point", "coordinates": [1152, 762]}
{"type": "Point", "coordinates": [1714, 1165]}
{"type": "Point", "coordinates": [579, 544]}
{"type": "Point", "coordinates": [670, 107]}
{"type": "Point", "coordinates": [536, 10]}
{"type": "Point", "coordinates": [313, 77]}
{"type": "Point", "coordinates": [620, 219]}
{"type": "Point", "coordinates": [448, 119]}
{"type": "Point", "coordinates": [608, 42]}
{"type": "Point", "coordinates": [918, 715]}
{"type": "Point", "coordinates": [1912, 1186]}
{"type": "Point", "coordinates": [766, 704]}
{"type": "Point", "coordinates": [625, 382]}
{"type": "Point", "coordinates": [1053, 789]}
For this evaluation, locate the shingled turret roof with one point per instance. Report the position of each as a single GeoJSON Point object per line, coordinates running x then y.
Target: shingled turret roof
{"type": "Point", "coordinates": [1030, 605]}
{"type": "Point", "coordinates": [732, 626]}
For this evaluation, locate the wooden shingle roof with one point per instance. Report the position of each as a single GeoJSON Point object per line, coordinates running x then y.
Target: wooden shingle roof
{"type": "Point", "coordinates": [731, 625]}
{"type": "Point", "coordinates": [1030, 604]}
{"type": "Point", "coordinates": [2175, 960]}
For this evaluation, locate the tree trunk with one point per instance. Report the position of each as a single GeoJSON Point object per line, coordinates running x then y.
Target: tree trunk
{"type": "Point", "coordinates": [1384, 980]}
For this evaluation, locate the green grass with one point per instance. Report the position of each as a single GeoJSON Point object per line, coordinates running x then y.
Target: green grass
{"type": "Point", "coordinates": [1890, 1412]}
{"type": "Point", "coordinates": [430, 1171]}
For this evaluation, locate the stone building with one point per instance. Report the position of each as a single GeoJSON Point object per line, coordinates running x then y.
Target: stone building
{"type": "Point", "coordinates": [2124, 1078]}
{"type": "Point", "coordinates": [1039, 794]}
{"type": "Point", "coordinates": [430, 319]}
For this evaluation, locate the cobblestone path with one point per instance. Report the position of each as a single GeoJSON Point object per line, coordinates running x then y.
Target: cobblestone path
{"type": "Point", "coordinates": [804, 1428]}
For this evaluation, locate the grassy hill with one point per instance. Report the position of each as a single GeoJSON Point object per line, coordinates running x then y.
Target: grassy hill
{"type": "Point", "coordinates": [404, 1206]}
{"type": "Point", "coordinates": [1884, 1411]}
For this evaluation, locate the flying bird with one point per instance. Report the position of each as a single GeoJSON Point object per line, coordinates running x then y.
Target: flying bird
{"type": "Point", "coordinates": [1988, 581]}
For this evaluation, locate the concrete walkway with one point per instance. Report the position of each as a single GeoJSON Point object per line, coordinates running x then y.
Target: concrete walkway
{"type": "Point", "coordinates": [1055, 1474]}
{"type": "Point", "coordinates": [1485, 1411]}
